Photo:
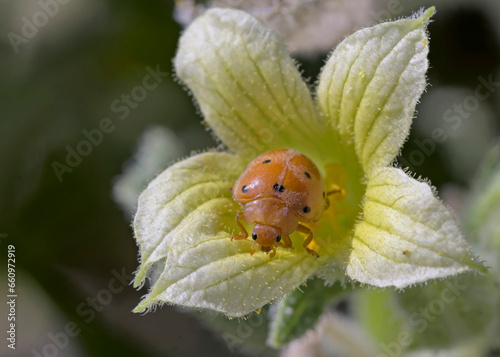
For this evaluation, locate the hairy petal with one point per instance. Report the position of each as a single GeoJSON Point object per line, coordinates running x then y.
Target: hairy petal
{"type": "Point", "coordinates": [370, 85]}
{"type": "Point", "coordinates": [175, 198]}
{"type": "Point", "coordinates": [406, 235]}
{"type": "Point", "coordinates": [247, 86]}
{"type": "Point", "coordinates": [207, 270]}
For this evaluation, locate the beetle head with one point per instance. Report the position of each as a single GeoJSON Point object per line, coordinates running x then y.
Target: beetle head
{"type": "Point", "coordinates": [265, 236]}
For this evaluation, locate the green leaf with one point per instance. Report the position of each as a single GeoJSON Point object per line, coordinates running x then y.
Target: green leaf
{"type": "Point", "coordinates": [247, 86]}
{"type": "Point", "coordinates": [300, 310]}
{"type": "Point", "coordinates": [370, 85]}
{"type": "Point", "coordinates": [406, 235]}
{"type": "Point", "coordinates": [247, 335]}
{"type": "Point", "coordinates": [178, 196]}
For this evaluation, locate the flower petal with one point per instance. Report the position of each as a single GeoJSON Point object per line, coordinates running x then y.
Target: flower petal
{"type": "Point", "coordinates": [370, 85]}
{"type": "Point", "coordinates": [205, 269]}
{"type": "Point", "coordinates": [248, 88]}
{"type": "Point", "coordinates": [178, 196]}
{"type": "Point", "coordinates": [407, 235]}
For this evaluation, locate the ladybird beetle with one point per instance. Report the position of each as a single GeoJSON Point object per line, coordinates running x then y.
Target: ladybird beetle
{"type": "Point", "coordinates": [279, 190]}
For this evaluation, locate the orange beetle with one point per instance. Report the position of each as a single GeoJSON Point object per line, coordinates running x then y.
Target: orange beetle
{"type": "Point", "coordinates": [278, 190]}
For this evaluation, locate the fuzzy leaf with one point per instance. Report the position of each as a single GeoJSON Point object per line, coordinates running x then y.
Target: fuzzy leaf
{"type": "Point", "coordinates": [406, 235]}
{"type": "Point", "coordinates": [370, 86]}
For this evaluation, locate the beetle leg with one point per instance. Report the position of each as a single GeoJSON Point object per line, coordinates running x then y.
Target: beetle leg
{"type": "Point", "coordinates": [273, 253]}
{"type": "Point", "coordinates": [252, 249]}
{"type": "Point", "coordinates": [279, 244]}
{"type": "Point", "coordinates": [336, 191]}
{"type": "Point", "coordinates": [285, 243]}
{"type": "Point", "coordinates": [327, 203]}
{"type": "Point", "coordinates": [239, 217]}
{"type": "Point", "coordinates": [305, 230]}
{"type": "Point", "coordinates": [288, 242]}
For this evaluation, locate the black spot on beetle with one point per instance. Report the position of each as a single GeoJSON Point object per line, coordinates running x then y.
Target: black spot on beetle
{"type": "Point", "coordinates": [307, 174]}
{"type": "Point", "coordinates": [306, 209]}
{"type": "Point", "coordinates": [244, 189]}
{"type": "Point", "coordinates": [277, 187]}
{"type": "Point", "coordinates": [278, 238]}
{"type": "Point", "coordinates": [254, 236]}
{"type": "Point", "coordinates": [266, 162]}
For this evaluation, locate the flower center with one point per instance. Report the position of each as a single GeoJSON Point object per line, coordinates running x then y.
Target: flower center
{"type": "Point", "coordinates": [335, 182]}
{"type": "Point", "coordinates": [344, 190]}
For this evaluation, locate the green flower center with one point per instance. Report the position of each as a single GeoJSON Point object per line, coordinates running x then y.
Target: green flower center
{"type": "Point", "coordinates": [344, 190]}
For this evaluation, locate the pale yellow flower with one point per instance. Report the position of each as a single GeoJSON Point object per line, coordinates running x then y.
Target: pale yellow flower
{"type": "Point", "coordinates": [388, 230]}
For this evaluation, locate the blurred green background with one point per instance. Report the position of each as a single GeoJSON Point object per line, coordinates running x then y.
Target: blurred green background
{"type": "Point", "coordinates": [72, 239]}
